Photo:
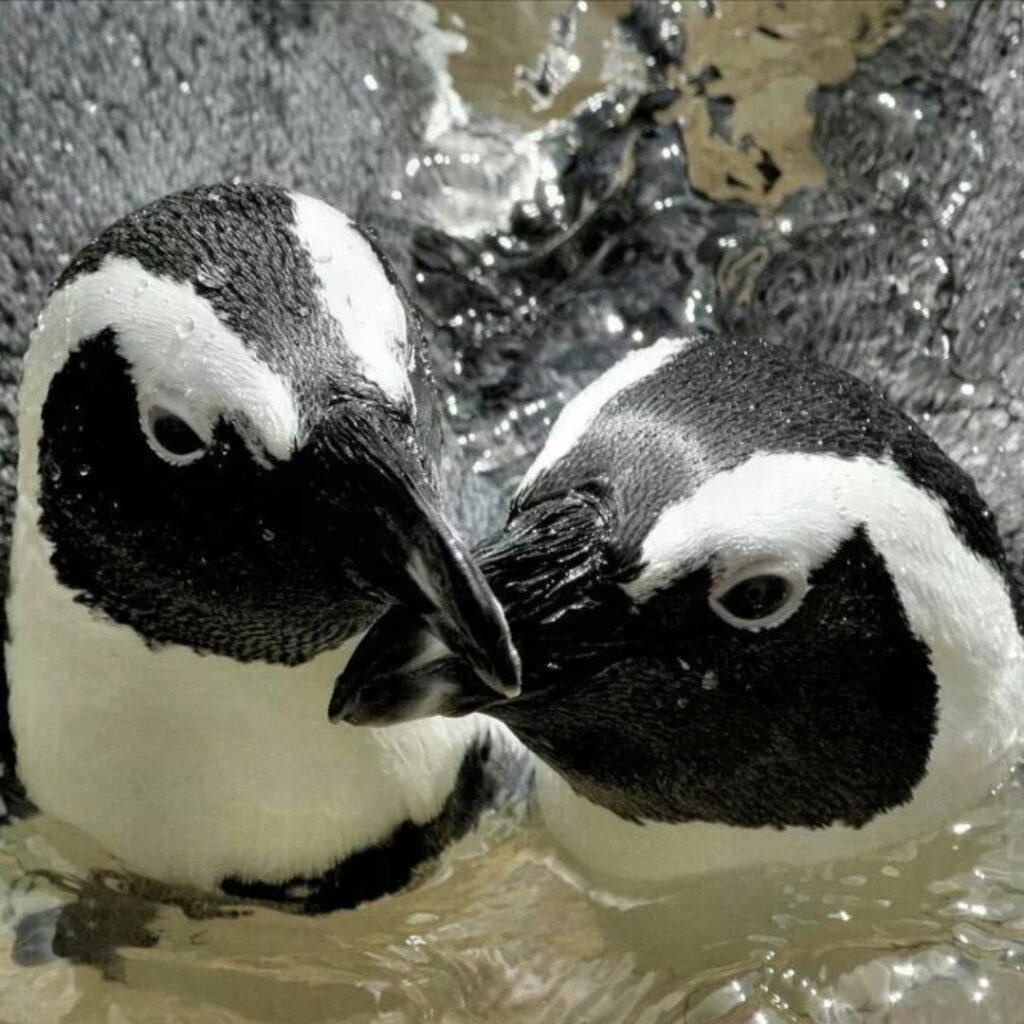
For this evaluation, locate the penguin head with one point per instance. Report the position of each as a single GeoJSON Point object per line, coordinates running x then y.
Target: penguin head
{"type": "Point", "coordinates": [745, 589]}
{"type": "Point", "coordinates": [230, 437]}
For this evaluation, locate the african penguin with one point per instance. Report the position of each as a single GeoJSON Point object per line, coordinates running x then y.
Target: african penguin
{"type": "Point", "coordinates": [762, 618]}
{"type": "Point", "coordinates": [228, 469]}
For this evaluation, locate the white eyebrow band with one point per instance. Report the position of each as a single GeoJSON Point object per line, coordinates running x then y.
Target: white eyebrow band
{"type": "Point", "coordinates": [174, 342]}
{"type": "Point", "coordinates": [802, 505]}
{"type": "Point", "coordinates": [581, 411]}
{"type": "Point", "coordinates": [357, 294]}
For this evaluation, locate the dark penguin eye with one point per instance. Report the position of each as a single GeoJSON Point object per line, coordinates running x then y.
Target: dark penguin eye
{"type": "Point", "coordinates": [757, 597]}
{"type": "Point", "coordinates": [759, 601]}
{"type": "Point", "coordinates": [172, 437]}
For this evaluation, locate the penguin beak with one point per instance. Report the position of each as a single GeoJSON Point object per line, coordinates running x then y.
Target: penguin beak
{"type": "Point", "coordinates": [425, 568]}
{"type": "Point", "coordinates": [398, 540]}
{"type": "Point", "coordinates": [545, 562]}
{"type": "Point", "coordinates": [401, 671]}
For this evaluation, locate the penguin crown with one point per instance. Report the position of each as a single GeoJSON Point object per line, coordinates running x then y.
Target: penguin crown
{"type": "Point", "coordinates": [239, 301]}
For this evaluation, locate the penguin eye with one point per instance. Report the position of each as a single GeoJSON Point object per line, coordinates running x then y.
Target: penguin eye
{"type": "Point", "coordinates": [756, 598]}
{"type": "Point", "coordinates": [172, 437]}
{"type": "Point", "coordinates": [759, 600]}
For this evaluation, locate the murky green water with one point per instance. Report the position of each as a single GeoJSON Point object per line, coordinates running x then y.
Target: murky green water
{"type": "Point", "coordinates": [820, 184]}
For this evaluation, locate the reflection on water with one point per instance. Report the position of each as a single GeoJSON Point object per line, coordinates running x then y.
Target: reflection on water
{"type": "Point", "coordinates": [508, 932]}
{"type": "Point", "coordinates": [842, 177]}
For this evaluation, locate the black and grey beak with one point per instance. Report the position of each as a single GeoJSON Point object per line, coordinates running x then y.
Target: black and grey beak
{"type": "Point", "coordinates": [544, 563]}
{"type": "Point", "coordinates": [429, 572]}
{"type": "Point", "coordinates": [401, 671]}
{"type": "Point", "coordinates": [402, 545]}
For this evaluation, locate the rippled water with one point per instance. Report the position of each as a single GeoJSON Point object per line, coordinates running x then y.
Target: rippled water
{"type": "Point", "coordinates": [842, 177]}
{"type": "Point", "coordinates": [932, 931]}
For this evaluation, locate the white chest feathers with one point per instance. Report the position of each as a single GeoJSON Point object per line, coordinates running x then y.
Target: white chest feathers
{"type": "Point", "coordinates": [192, 768]}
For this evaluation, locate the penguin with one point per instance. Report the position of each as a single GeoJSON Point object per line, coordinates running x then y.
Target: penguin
{"type": "Point", "coordinates": [229, 466]}
{"type": "Point", "coordinates": [762, 618]}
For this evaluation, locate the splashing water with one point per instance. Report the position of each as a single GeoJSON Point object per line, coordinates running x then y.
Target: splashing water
{"type": "Point", "coordinates": [842, 178]}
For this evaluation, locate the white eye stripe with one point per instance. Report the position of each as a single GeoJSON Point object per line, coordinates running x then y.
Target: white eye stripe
{"type": "Point", "coordinates": [581, 411]}
{"type": "Point", "coordinates": [357, 294]}
{"type": "Point", "coordinates": [801, 505]}
{"type": "Point", "coordinates": [175, 344]}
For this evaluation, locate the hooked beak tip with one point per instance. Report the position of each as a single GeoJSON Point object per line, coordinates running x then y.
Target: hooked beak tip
{"type": "Point", "coordinates": [338, 710]}
{"type": "Point", "coordinates": [439, 581]}
{"type": "Point", "coordinates": [347, 705]}
{"type": "Point", "coordinates": [401, 671]}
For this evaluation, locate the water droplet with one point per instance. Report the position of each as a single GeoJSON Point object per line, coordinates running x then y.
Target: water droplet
{"type": "Point", "coordinates": [211, 276]}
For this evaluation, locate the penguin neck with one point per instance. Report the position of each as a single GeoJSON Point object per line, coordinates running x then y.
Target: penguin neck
{"type": "Point", "coordinates": [193, 768]}
{"type": "Point", "coordinates": [981, 708]}
{"type": "Point", "coordinates": [618, 851]}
